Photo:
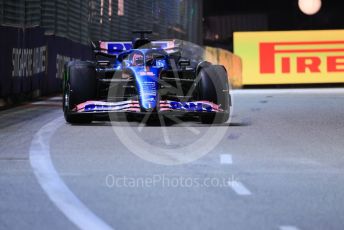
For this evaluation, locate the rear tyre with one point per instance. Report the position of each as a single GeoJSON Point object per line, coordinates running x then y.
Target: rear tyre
{"type": "Point", "coordinates": [79, 87]}
{"type": "Point", "coordinates": [214, 87]}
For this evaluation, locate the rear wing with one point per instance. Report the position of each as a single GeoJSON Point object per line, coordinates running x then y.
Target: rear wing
{"type": "Point", "coordinates": [116, 47]}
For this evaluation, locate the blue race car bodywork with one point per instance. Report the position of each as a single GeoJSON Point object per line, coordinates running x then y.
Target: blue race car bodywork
{"type": "Point", "coordinates": [146, 79]}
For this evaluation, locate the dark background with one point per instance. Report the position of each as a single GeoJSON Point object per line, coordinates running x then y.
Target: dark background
{"type": "Point", "coordinates": [65, 28]}
{"type": "Point", "coordinates": [223, 17]}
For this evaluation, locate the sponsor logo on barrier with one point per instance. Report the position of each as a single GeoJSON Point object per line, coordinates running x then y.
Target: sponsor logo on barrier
{"type": "Point", "coordinates": [312, 62]}
{"type": "Point", "coordinates": [291, 57]}
{"type": "Point", "coordinates": [28, 62]}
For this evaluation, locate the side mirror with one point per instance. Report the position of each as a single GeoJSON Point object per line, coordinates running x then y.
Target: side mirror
{"type": "Point", "coordinates": [184, 63]}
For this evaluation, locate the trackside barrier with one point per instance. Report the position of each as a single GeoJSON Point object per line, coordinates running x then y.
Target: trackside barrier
{"type": "Point", "coordinates": [291, 57]}
{"type": "Point", "coordinates": [31, 63]}
{"type": "Point", "coordinates": [22, 63]}
{"type": "Point", "coordinates": [231, 62]}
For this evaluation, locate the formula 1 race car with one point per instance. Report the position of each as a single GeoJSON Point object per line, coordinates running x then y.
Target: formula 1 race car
{"type": "Point", "coordinates": [144, 77]}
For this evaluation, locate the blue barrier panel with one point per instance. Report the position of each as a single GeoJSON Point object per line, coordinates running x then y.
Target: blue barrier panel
{"type": "Point", "coordinates": [20, 66]}
{"type": "Point", "coordinates": [32, 61]}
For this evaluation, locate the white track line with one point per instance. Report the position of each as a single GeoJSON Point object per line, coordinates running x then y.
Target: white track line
{"type": "Point", "coordinates": [239, 188]}
{"type": "Point", "coordinates": [53, 185]}
{"type": "Point", "coordinates": [288, 228]}
{"type": "Point", "coordinates": [226, 159]}
{"type": "Point", "coordinates": [288, 91]}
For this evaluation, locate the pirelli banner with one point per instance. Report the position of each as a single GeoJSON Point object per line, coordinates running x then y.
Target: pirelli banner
{"type": "Point", "coordinates": [292, 57]}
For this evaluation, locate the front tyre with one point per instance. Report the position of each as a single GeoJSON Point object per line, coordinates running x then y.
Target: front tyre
{"type": "Point", "coordinates": [79, 86]}
{"type": "Point", "coordinates": [214, 87]}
